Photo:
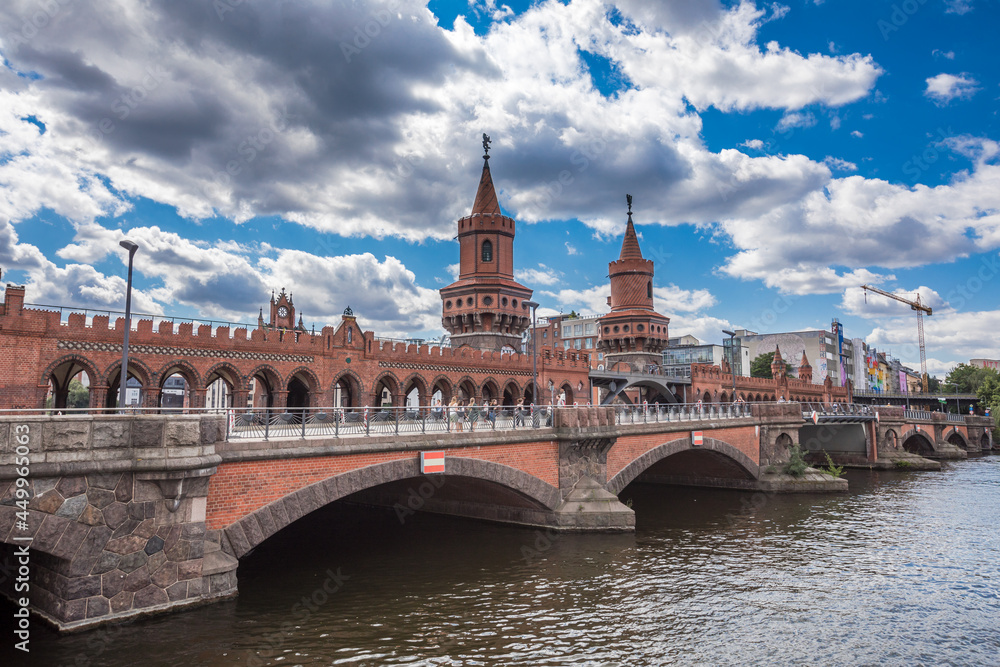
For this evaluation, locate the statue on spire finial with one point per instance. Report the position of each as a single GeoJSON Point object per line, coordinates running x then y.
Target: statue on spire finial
{"type": "Point", "coordinates": [486, 146]}
{"type": "Point", "coordinates": [628, 198]}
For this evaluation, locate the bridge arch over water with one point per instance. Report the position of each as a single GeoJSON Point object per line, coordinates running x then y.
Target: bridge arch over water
{"type": "Point", "coordinates": [714, 459]}
{"type": "Point", "coordinates": [468, 482]}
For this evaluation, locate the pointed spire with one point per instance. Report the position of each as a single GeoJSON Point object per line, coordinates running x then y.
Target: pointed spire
{"type": "Point", "coordinates": [777, 356]}
{"type": "Point", "coordinates": [805, 360]}
{"type": "Point", "coordinates": [486, 195]}
{"type": "Point", "coordinates": [630, 246]}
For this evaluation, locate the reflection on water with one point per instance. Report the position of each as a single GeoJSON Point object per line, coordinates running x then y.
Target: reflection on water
{"type": "Point", "coordinates": [902, 570]}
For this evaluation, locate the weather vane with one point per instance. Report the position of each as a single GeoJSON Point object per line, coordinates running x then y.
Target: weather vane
{"type": "Point", "coordinates": [628, 198]}
{"type": "Point", "coordinates": [486, 145]}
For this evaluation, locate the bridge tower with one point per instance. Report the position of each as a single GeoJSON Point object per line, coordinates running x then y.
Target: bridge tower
{"type": "Point", "coordinates": [485, 307]}
{"type": "Point", "coordinates": [632, 332]}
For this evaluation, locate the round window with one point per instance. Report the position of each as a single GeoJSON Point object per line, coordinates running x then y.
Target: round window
{"type": "Point", "coordinates": [447, 304]}
{"type": "Point", "coordinates": [503, 301]}
{"type": "Point", "coordinates": [639, 327]}
{"type": "Point", "coordinates": [607, 330]}
{"type": "Point", "coordinates": [468, 302]}
{"type": "Point", "coordinates": [487, 300]}
{"type": "Point", "coordinates": [625, 328]}
{"type": "Point", "coordinates": [616, 329]}
{"type": "Point", "coordinates": [514, 303]}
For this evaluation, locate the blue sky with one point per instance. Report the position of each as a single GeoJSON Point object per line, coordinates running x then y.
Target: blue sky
{"type": "Point", "coordinates": [779, 154]}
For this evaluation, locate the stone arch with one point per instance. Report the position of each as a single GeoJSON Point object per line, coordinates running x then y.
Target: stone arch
{"type": "Point", "coordinates": [251, 530]}
{"type": "Point", "coordinates": [566, 389]}
{"type": "Point", "coordinates": [758, 399]}
{"type": "Point", "coordinates": [958, 439]}
{"type": "Point", "coordinates": [351, 389]}
{"type": "Point", "coordinates": [707, 397]}
{"type": "Point", "coordinates": [443, 384]}
{"type": "Point", "coordinates": [415, 382]}
{"type": "Point", "coordinates": [180, 367]}
{"type": "Point", "coordinates": [490, 390]}
{"type": "Point", "coordinates": [891, 439]}
{"type": "Point", "coordinates": [511, 392]}
{"type": "Point", "coordinates": [984, 441]}
{"type": "Point", "coordinates": [271, 380]}
{"type": "Point", "coordinates": [917, 442]}
{"type": "Point", "coordinates": [723, 397]}
{"type": "Point", "coordinates": [465, 389]}
{"type": "Point", "coordinates": [385, 382]}
{"type": "Point", "coordinates": [60, 377]}
{"type": "Point", "coordinates": [227, 374]}
{"type": "Point", "coordinates": [627, 474]}
{"type": "Point", "coordinates": [137, 369]}
{"type": "Point", "coordinates": [303, 388]}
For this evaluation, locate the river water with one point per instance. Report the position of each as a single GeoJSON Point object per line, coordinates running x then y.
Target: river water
{"type": "Point", "coordinates": [903, 570]}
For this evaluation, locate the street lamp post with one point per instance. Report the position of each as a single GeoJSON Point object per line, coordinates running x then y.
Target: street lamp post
{"type": "Point", "coordinates": [131, 247]}
{"type": "Point", "coordinates": [534, 351]}
{"type": "Point", "coordinates": [732, 358]}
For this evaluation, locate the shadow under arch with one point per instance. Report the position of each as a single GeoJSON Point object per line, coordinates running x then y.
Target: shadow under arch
{"type": "Point", "coordinates": [251, 530]}
{"type": "Point", "coordinates": [738, 461]}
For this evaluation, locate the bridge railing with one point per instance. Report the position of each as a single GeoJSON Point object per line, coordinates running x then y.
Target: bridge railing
{"type": "Point", "coordinates": [952, 417]}
{"type": "Point", "coordinates": [265, 424]}
{"type": "Point", "coordinates": [674, 412]}
{"type": "Point", "coordinates": [837, 409]}
{"type": "Point", "coordinates": [919, 414]}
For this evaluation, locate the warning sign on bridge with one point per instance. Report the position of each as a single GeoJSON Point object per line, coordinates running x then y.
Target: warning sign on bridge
{"type": "Point", "coordinates": [431, 462]}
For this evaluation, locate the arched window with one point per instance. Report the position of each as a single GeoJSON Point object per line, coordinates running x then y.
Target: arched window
{"type": "Point", "coordinates": [487, 251]}
{"type": "Point", "coordinates": [350, 334]}
{"type": "Point", "coordinates": [649, 290]}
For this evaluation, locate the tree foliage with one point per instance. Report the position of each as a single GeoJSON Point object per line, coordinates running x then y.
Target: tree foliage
{"type": "Point", "coordinates": [966, 378]}
{"type": "Point", "coordinates": [760, 367]}
{"type": "Point", "coordinates": [933, 384]}
{"type": "Point", "coordinates": [989, 395]}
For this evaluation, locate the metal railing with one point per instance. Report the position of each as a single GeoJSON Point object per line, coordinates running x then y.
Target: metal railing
{"type": "Point", "coordinates": [837, 410]}
{"type": "Point", "coordinates": [952, 417]}
{"type": "Point", "coordinates": [267, 424]}
{"type": "Point", "coordinates": [918, 414]}
{"type": "Point", "coordinates": [679, 412]}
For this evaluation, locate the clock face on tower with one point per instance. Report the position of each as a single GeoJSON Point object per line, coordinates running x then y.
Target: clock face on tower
{"type": "Point", "coordinates": [282, 311]}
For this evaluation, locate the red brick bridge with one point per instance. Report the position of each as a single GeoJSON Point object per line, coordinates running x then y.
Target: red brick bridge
{"type": "Point", "coordinates": [130, 514]}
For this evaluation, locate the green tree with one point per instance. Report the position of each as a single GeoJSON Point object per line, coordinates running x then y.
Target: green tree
{"type": "Point", "coordinates": [933, 385]}
{"type": "Point", "coordinates": [760, 367]}
{"type": "Point", "coordinates": [966, 378]}
{"type": "Point", "coordinates": [79, 396]}
{"type": "Point", "coordinates": [989, 394]}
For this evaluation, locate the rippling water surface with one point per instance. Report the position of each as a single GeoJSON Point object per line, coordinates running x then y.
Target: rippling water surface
{"type": "Point", "coordinates": [905, 569]}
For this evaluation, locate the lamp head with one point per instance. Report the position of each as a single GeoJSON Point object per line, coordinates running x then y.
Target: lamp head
{"type": "Point", "coordinates": [530, 304]}
{"type": "Point", "coordinates": [129, 245]}
{"type": "Point", "coordinates": [729, 333]}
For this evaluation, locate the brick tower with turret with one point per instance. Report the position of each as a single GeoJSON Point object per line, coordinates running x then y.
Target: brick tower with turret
{"type": "Point", "coordinates": [485, 308]}
{"type": "Point", "coordinates": [632, 332]}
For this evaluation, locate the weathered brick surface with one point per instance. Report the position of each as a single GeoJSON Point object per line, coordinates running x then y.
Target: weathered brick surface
{"type": "Point", "coordinates": [240, 488]}
{"type": "Point", "coordinates": [630, 447]}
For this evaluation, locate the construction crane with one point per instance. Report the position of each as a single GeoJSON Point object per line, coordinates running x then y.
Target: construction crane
{"type": "Point", "coordinates": [921, 309]}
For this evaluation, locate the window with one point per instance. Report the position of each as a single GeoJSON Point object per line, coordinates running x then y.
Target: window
{"type": "Point", "coordinates": [577, 329]}
{"type": "Point", "coordinates": [545, 334]}
{"type": "Point", "coordinates": [588, 328]}
{"type": "Point", "coordinates": [568, 344]}
{"type": "Point", "coordinates": [555, 333]}
{"type": "Point", "coordinates": [649, 290]}
{"type": "Point", "coordinates": [487, 251]}
{"type": "Point", "coordinates": [589, 344]}
{"type": "Point", "coordinates": [578, 343]}
{"type": "Point", "coordinates": [600, 356]}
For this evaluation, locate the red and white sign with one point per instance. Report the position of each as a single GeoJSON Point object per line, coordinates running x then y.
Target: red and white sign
{"type": "Point", "coordinates": [431, 462]}
{"type": "Point", "coordinates": [696, 439]}
{"type": "Point", "coordinates": [815, 417]}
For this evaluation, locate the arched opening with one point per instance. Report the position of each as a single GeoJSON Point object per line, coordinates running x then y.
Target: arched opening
{"type": "Point", "coordinates": [956, 439]}
{"type": "Point", "coordinates": [984, 442]}
{"type": "Point", "coordinates": [441, 391]}
{"type": "Point", "coordinates": [757, 399]}
{"type": "Point", "coordinates": [487, 251]}
{"type": "Point", "coordinates": [386, 390]}
{"type": "Point", "coordinates": [706, 398]}
{"type": "Point", "coordinates": [723, 398]}
{"type": "Point", "coordinates": [219, 394]}
{"type": "Point", "coordinates": [490, 392]}
{"type": "Point", "coordinates": [714, 463]}
{"type": "Point", "coordinates": [918, 443]}
{"type": "Point", "coordinates": [134, 389]}
{"type": "Point", "coordinates": [174, 392]}
{"type": "Point", "coordinates": [69, 386]}
{"type": "Point", "coordinates": [566, 395]}
{"type": "Point", "coordinates": [466, 390]}
{"type": "Point", "coordinates": [413, 398]}
{"type": "Point", "coordinates": [529, 394]}
{"type": "Point", "coordinates": [511, 393]}
{"type": "Point", "coordinates": [649, 290]}
{"type": "Point", "coordinates": [260, 393]}
{"type": "Point", "coordinates": [298, 395]}
{"type": "Point", "coordinates": [345, 393]}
